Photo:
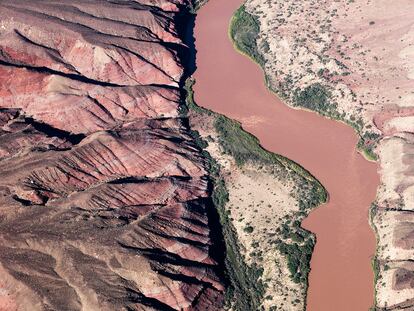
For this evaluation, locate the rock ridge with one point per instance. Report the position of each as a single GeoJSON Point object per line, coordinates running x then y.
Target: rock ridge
{"type": "Point", "coordinates": [104, 195]}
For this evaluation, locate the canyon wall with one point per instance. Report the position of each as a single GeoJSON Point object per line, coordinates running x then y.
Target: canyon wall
{"type": "Point", "coordinates": [104, 196]}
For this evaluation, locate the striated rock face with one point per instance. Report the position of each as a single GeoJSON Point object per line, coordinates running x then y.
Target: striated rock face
{"type": "Point", "coordinates": [104, 200]}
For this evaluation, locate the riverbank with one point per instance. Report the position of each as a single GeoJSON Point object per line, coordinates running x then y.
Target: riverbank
{"type": "Point", "coordinates": [361, 52]}
{"type": "Point", "coordinates": [316, 143]}
{"type": "Point", "coordinates": [244, 31]}
{"type": "Point", "coordinates": [275, 204]}
{"type": "Point", "coordinates": [260, 199]}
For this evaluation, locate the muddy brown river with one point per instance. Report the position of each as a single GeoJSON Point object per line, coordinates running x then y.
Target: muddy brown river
{"type": "Point", "coordinates": [227, 82]}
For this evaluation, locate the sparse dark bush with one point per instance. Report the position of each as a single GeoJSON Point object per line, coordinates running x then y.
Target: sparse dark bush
{"type": "Point", "coordinates": [314, 97]}
{"type": "Point", "coordinates": [248, 229]}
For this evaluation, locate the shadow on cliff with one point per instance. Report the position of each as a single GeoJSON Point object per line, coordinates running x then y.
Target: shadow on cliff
{"type": "Point", "coordinates": [187, 57]}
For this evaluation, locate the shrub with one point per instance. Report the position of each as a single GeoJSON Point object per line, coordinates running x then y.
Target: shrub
{"type": "Point", "coordinates": [298, 259]}
{"type": "Point", "coordinates": [248, 229]}
{"type": "Point", "coordinates": [244, 30]}
{"type": "Point", "coordinates": [314, 97]}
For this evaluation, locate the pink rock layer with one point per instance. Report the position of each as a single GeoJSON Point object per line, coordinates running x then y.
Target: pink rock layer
{"type": "Point", "coordinates": [104, 196]}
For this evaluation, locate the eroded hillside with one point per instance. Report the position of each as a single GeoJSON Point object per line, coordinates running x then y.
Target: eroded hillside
{"type": "Point", "coordinates": [104, 196]}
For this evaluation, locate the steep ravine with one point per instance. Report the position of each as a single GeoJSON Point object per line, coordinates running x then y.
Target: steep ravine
{"type": "Point", "coordinates": [107, 199]}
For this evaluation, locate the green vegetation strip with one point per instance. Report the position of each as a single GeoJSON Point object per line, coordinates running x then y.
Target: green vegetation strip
{"type": "Point", "coordinates": [317, 97]}
{"type": "Point", "coordinates": [244, 31]}
{"type": "Point", "coordinates": [297, 244]}
{"type": "Point", "coordinates": [375, 262]}
{"type": "Point", "coordinates": [246, 290]}
{"type": "Point", "coordinates": [195, 5]}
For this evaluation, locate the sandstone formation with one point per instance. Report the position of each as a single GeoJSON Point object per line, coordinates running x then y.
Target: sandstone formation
{"type": "Point", "coordinates": [353, 60]}
{"type": "Point", "coordinates": [104, 196]}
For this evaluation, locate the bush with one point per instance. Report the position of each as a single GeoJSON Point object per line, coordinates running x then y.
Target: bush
{"type": "Point", "coordinates": [298, 259]}
{"type": "Point", "coordinates": [367, 144]}
{"type": "Point", "coordinates": [244, 30]}
{"type": "Point", "coordinates": [314, 97]}
{"type": "Point", "coordinates": [195, 5]}
{"type": "Point", "coordinates": [248, 229]}
{"type": "Point", "coordinates": [245, 290]}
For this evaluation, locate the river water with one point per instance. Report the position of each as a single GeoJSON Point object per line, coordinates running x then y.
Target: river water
{"type": "Point", "coordinates": [227, 82]}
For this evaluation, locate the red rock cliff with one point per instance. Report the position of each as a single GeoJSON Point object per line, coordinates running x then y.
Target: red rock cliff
{"type": "Point", "coordinates": [103, 194]}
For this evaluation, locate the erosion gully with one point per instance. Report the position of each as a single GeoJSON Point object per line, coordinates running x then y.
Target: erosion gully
{"type": "Point", "coordinates": [230, 83]}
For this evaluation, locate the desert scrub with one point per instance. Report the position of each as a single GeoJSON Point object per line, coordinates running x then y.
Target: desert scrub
{"type": "Point", "coordinates": [376, 269]}
{"type": "Point", "coordinates": [245, 289]}
{"type": "Point", "coordinates": [189, 100]}
{"type": "Point", "coordinates": [297, 244]}
{"type": "Point", "coordinates": [318, 98]}
{"type": "Point", "coordinates": [367, 144]}
{"type": "Point", "coordinates": [298, 258]}
{"type": "Point", "coordinates": [248, 229]}
{"type": "Point", "coordinates": [244, 30]}
{"type": "Point", "coordinates": [315, 97]}
{"type": "Point", "coordinates": [375, 264]}
{"type": "Point", "coordinates": [244, 147]}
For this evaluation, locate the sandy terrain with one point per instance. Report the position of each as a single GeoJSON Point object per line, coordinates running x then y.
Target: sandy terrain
{"type": "Point", "coordinates": [264, 207]}
{"type": "Point", "coordinates": [361, 52]}
{"type": "Point", "coordinates": [263, 201]}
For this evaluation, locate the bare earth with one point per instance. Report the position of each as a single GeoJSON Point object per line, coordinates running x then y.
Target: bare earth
{"type": "Point", "coordinates": [363, 52]}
